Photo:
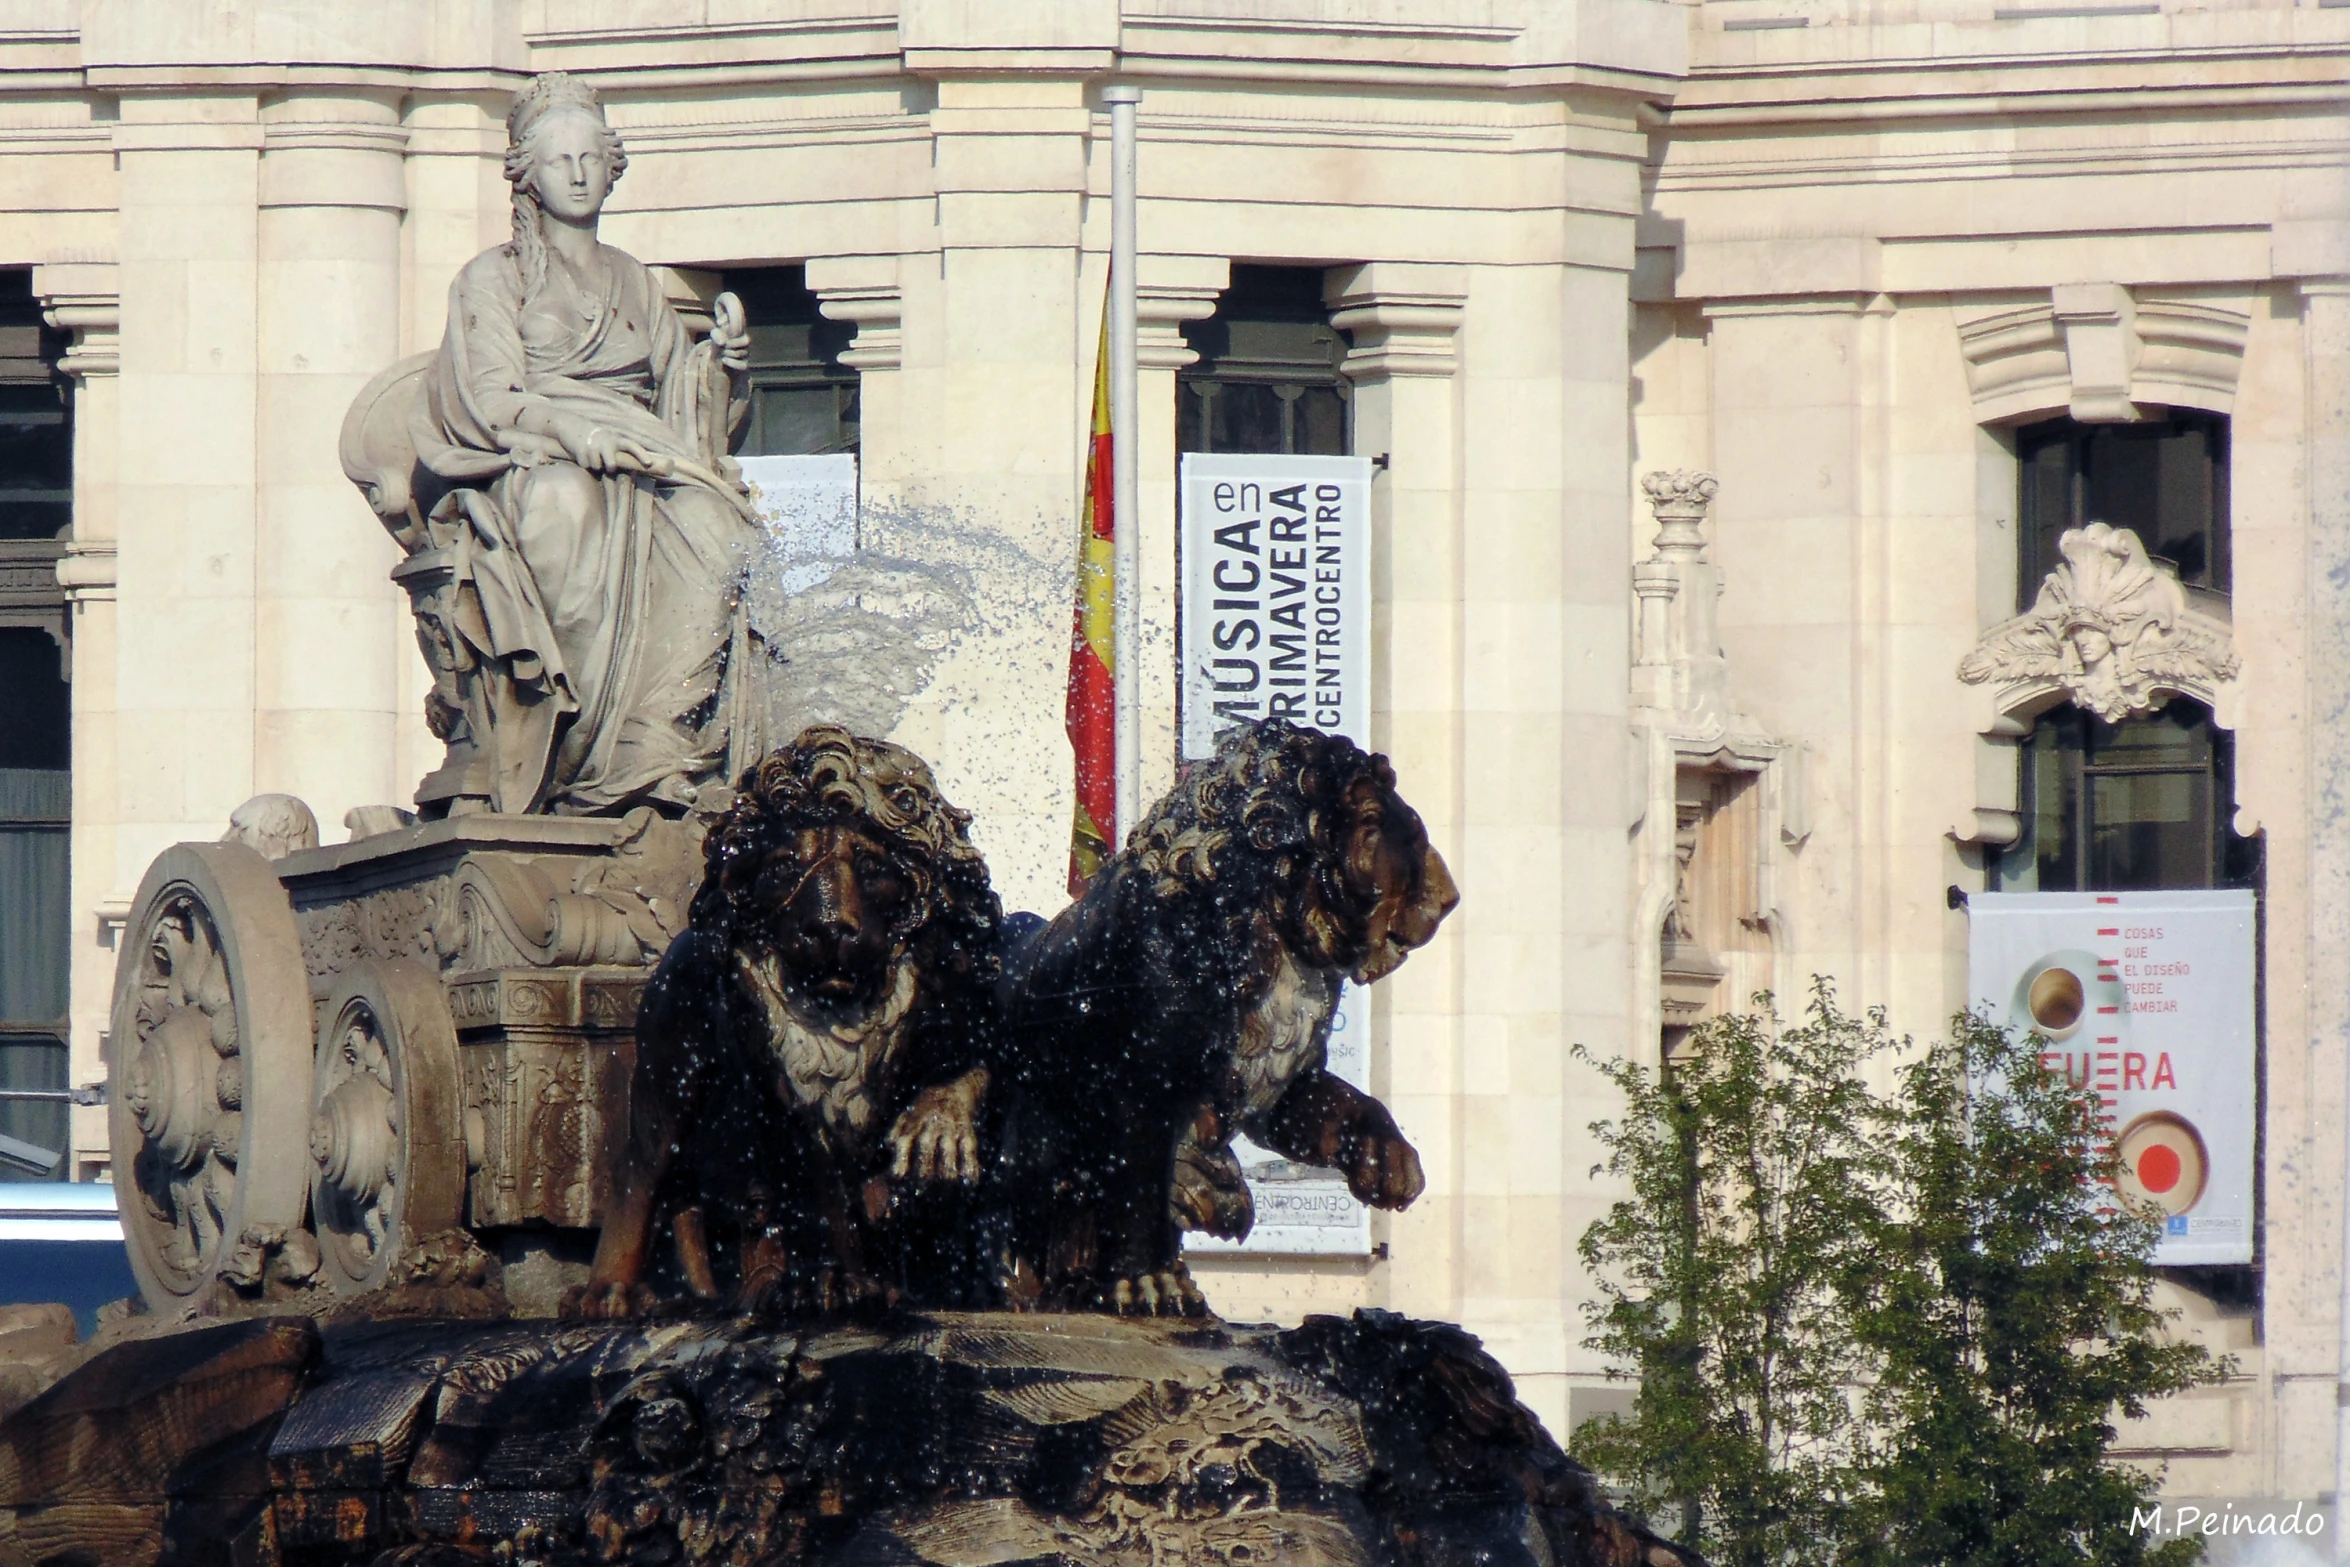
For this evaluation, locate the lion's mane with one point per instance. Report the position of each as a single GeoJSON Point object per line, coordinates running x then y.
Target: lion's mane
{"type": "Point", "coordinates": [826, 777]}
{"type": "Point", "coordinates": [1261, 828]}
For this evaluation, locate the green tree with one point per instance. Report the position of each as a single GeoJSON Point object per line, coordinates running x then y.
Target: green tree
{"type": "Point", "coordinates": [2008, 1316]}
{"type": "Point", "coordinates": [1753, 1164]}
{"type": "Point", "coordinates": [1876, 1332]}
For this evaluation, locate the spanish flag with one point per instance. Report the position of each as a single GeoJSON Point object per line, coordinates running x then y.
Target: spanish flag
{"type": "Point", "coordinates": [1092, 710]}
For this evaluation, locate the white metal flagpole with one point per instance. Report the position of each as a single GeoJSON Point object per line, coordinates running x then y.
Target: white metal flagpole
{"type": "Point", "coordinates": [1127, 540]}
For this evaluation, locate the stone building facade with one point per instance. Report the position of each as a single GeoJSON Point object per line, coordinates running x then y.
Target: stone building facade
{"type": "Point", "coordinates": [1868, 265]}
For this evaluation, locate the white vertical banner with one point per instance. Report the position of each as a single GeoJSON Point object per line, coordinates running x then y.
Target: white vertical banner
{"type": "Point", "coordinates": [2146, 998]}
{"type": "Point", "coordinates": [809, 504]}
{"type": "Point", "coordinates": [1277, 624]}
{"type": "Point", "coordinates": [1276, 594]}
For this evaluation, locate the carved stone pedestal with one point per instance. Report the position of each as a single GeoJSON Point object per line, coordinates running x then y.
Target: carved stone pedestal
{"type": "Point", "coordinates": [433, 1030]}
{"type": "Point", "coordinates": [934, 1441]}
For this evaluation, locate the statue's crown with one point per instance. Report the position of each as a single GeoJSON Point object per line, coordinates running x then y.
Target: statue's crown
{"type": "Point", "coordinates": [545, 93]}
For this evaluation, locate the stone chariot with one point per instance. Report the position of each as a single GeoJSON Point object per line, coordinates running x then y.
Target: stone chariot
{"type": "Point", "coordinates": [398, 1060]}
{"type": "Point", "coordinates": [386, 1061]}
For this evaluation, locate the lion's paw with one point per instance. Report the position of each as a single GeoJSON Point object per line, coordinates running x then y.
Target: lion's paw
{"type": "Point", "coordinates": [937, 1138]}
{"type": "Point", "coordinates": [1386, 1171]}
{"type": "Point", "coordinates": [1166, 1293]}
{"type": "Point", "coordinates": [1210, 1194]}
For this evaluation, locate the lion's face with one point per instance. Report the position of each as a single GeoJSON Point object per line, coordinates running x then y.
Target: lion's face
{"type": "Point", "coordinates": [1392, 887]}
{"type": "Point", "coordinates": [834, 903]}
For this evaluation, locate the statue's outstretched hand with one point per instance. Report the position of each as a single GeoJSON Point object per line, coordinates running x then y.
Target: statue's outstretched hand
{"type": "Point", "coordinates": [937, 1138]}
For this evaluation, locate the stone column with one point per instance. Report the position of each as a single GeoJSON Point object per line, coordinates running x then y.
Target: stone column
{"type": "Point", "coordinates": [1403, 318]}
{"type": "Point", "coordinates": [1169, 290]}
{"type": "Point", "coordinates": [188, 170]}
{"type": "Point", "coordinates": [331, 631]}
{"type": "Point", "coordinates": [84, 298]}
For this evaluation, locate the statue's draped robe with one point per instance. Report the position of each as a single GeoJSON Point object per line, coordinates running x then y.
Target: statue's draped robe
{"type": "Point", "coordinates": [622, 639]}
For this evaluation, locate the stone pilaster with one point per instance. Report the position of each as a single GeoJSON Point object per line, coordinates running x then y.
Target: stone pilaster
{"type": "Point", "coordinates": [2325, 325]}
{"type": "Point", "coordinates": [997, 340]}
{"type": "Point", "coordinates": [1169, 291]}
{"type": "Point", "coordinates": [1403, 319]}
{"type": "Point", "coordinates": [83, 298]}
{"type": "Point", "coordinates": [1797, 537]}
{"type": "Point", "coordinates": [188, 167]}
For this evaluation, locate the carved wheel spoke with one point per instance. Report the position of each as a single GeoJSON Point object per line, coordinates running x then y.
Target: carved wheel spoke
{"type": "Point", "coordinates": [172, 1084]}
{"type": "Point", "coordinates": [208, 995]}
{"type": "Point", "coordinates": [386, 1134]}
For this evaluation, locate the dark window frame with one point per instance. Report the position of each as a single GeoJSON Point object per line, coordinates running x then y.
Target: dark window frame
{"type": "Point", "coordinates": [2080, 754]}
{"type": "Point", "coordinates": [36, 739]}
{"type": "Point", "coordinates": [2174, 466]}
{"type": "Point", "coordinates": [1268, 376]}
{"type": "Point", "coordinates": [36, 1104]}
{"type": "Point", "coordinates": [797, 381]}
{"type": "Point", "coordinates": [2070, 474]}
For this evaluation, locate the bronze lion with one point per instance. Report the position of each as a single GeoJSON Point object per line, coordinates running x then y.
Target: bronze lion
{"type": "Point", "coordinates": [1187, 995]}
{"type": "Point", "coordinates": [804, 1116]}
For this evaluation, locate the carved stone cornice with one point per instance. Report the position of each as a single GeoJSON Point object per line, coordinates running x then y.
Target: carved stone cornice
{"type": "Point", "coordinates": [1169, 291]}
{"type": "Point", "coordinates": [83, 298]}
{"type": "Point", "coordinates": [863, 290]}
{"type": "Point", "coordinates": [1404, 317]}
{"type": "Point", "coordinates": [2113, 631]}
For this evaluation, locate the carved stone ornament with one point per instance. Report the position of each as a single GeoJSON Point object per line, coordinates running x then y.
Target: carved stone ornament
{"type": "Point", "coordinates": [957, 1440]}
{"type": "Point", "coordinates": [2113, 630]}
{"type": "Point", "coordinates": [1696, 748]}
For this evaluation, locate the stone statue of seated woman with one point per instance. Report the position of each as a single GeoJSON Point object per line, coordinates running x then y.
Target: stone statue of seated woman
{"type": "Point", "coordinates": [577, 535]}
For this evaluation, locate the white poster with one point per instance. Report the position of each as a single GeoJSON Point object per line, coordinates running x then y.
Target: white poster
{"type": "Point", "coordinates": [2146, 998]}
{"type": "Point", "coordinates": [809, 504]}
{"type": "Point", "coordinates": [1276, 594]}
{"type": "Point", "coordinates": [1277, 623]}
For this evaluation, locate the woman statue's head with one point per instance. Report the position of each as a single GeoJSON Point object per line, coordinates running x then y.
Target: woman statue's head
{"type": "Point", "coordinates": [562, 160]}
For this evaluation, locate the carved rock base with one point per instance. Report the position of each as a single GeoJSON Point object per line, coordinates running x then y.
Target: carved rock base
{"type": "Point", "coordinates": [932, 1441]}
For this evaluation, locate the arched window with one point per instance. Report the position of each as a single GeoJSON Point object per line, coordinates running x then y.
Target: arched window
{"type": "Point", "coordinates": [2146, 803]}
{"type": "Point", "coordinates": [1267, 378]}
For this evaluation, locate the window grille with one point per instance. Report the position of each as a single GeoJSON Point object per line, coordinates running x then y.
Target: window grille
{"type": "Point", "coordinates": [1267, 379]}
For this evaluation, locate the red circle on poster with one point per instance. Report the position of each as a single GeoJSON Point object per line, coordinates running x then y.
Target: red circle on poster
{"type": "Point", "coordinates": [2158, 1169]}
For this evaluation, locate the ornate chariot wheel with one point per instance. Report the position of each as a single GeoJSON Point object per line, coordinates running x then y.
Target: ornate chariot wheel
{"type": "Point", "coordinates": [209, 1056]}
{"type": "Point", "coordinates": [387, 1134]}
